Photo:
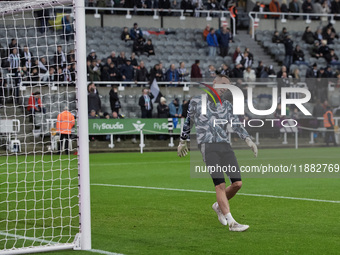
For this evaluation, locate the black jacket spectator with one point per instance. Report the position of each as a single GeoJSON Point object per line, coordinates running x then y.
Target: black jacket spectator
{"type": "Point", "coordinates": [276, 38]}
{"type": "Point", "coordinates": [121, 60]}
{"type": "Point", "coordinates": [294, 7]}
{"type": "Point", "coordinates": [125, 36]}
{"type": "Point", "coordinates": [148, 48]}
{"type": "Point", "coordinates": [237, 72]}
{"type": "Point", "coordinates": [335, 8]}
{"type": "Point", "coordinates": [94, 102]}
{"type": "Point", "coordinates": [307, 6]}
{"type": "Point", "coordinates": [186, 5]}
{"type": "Point", "coordinates": [289, 46]}
{"type": "Point", "coordinates": [111, 73]}
{"type": "Point", "coordinates": [138, 46]}
{"type": "Point", "coordinates": [154, 74]}
{"type": "Point", "coordinates": [92, 56]}
{"type": "Point", "coordinates": [127, 71]}
{"type": "Point", "coordinates": [162, 110]}
{"type": "Point", "coordinates": [114, 100]}
{"type": "Point", "coordinates": [308, 36]}
{"type": "Point", "coordinates": [298, 54]}
{"type": "Point", "coordinates": [164, 4]}
{"type": "Point", "coordinates": [142, 73]}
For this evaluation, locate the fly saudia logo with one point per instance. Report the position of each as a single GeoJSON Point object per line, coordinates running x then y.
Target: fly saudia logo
{"type": "Point", "coordinates": [106, 126]}
{"type": "Point", "coordinates": [238, 100]}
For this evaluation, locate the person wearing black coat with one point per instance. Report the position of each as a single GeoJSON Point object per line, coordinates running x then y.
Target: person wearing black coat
{"type": "Point", "coordinates": [113, 73]}
{"type": "Point", "coordinates": [335, 8]}
{"type": "Point", "coordinates": [148, 48]}
{"type": "Point", "coordinates": [289, 51]}
{"type": "Point", "coordinates": [114, 100]}
{"type": "Point", "coordinates": [145, 103]}
{"type": "Point", "coordinates": [94, 102]}
{"type": "Point", "coordinates": [142, 73]}
{"type": "Point", "coordinates": [308, 36]}
{"type": "Point", "coordinates": [162, 109]}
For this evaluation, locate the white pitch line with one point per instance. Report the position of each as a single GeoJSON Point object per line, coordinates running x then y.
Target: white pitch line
{"type": "Point", "coordinates": [52, 242]}
{"type": "Point", "coordinates": [212, 192]}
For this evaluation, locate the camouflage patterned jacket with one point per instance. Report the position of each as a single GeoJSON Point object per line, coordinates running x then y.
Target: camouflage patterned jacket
{"type": "Point", "coordinates": [205, 130]}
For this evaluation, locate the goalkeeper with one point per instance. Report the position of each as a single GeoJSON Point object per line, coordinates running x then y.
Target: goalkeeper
{"type": "Point", "coordinates": [214, 144]}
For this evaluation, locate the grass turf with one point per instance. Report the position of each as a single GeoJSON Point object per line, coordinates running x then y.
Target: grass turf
{"type": "Point", "coordinates": [144, 221]}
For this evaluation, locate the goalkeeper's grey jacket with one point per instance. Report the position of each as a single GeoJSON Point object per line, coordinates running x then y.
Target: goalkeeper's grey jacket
{"type": "Point", "coordinates": [205, 130]}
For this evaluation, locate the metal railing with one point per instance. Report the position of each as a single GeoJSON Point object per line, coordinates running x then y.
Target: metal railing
{"type": "Point", "coordinates": [130, 11]}
{"type": "Point", "coordinates": [255, 17]}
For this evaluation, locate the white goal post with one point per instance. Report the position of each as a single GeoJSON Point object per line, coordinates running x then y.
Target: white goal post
{"type": "Point", "coordinates": [44, 158]}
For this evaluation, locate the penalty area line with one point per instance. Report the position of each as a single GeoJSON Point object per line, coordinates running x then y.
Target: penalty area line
{"type": "Point", "coordinates": [213, 192]}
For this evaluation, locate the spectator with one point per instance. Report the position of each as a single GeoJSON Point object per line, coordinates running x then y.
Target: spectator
{"type": "Point", "coordinates": [162, 109]}
{"type": "Point", "coordinates": [186, 5]}
{"type": "Point", "coordinates": [225, 70]}
{"type": "Point", "coordinates": [91, 85]}
{"type": "Point", "coordinates": [283, 70]}
{"type": "Point", "coordinates": [323, 49]}
{"type": "Point", "coordinates": [175, 109]}
{"type": "Point", "coordinates": [164, 5]}
{"type": "Point", "coordinates": [148, 48]}
{"type": "Point", "coordinates": [328, 122]}
{"type": "Point", "coordinates": [318, 34]}
{"type": "Point", "coordinates": [60, 57]}
{"type": "Point", "coordinates": [161, 72]}
{"type": "Point", "coordinates": [125, 36]}
{"type": "Point", "coordinates": [142, 73]}
{"type": "Point", "coordinates": [312, 73]}
{"type": "Point", "coordinates": [225, 38]}
{"type": "Point", "coordinates": [93, 115]}
{"type": "Point", "coordinates": [14, 61]}
{"type": "Point", "coordinates": [134, 61]}
{"type": "Point", "coordinates": [94, 102]}
{"type": "Point", "coordinates": [114, 73]}
{"type": "Point", "coordinates": [325, 10]}
{"type": "Point", "coordinates": [307, 7]}
{"type": "Point", "coordinates": [92, 56]}
{"type": "Point", "coordinates": [42, 65]}
{"type": "Point", "coordinates": [121, 60]}
{"type": "Point", "coordinates": [94, 71]}
{"type": "Point", "coordinates": [145, 103]}
{"type": "Point", "coordinates": [127, 71]}
{"type": "Point", "coordinates": [236, 53]}
{"type": "Point", "coordinates": [250, 55]}
{"type": "Point", "coordinates": [50, 76]}
{"type": "Point", "coordinates": [34, 104]}
{"type": "Point", "coordinates": [249, 74]}
{"type": "Point", "coordinates": [284, 7]}
{"type": "Point", "coordinates": [138, 46]}
{"type": "Point", "coordinates": [172, 74]}
{"type": "Point", "coordinates": [276, 37]}
{"type": "Point", "coordinates": [206, 31]}
{"type": "Point", "coordinates": [212, 42]}
{"type": "Point", "coordinates": [26, 58]}
{"type": "Point", "coordinates": [65, 123]}
{"type": "Point", "coordinates": [329, 36]}
{"type": "Point", "coordinates": [294, 7]}
{"type": "Point", "coordinates": [113, 58]}
{"type": "Point", "coordinates": [283, 34]}
{"type": "Point", "coordinates": [114, 100]}
{"type": "Point", "coordinates": [322, 85]}
{"type": "Point", "coordinates": [299, 56]}
{"type": "Point", "coordinates": [12, 45]}
{"type": "Point", "coordinates": [244, 60]}
{"type": "Point", "coordinates": [237, 72]}
{"type": "Point", "coordinates": [136, 32]}
{"type": "Point", "coordinates": [67, 27]}
{"type": "Point", "coordinates": [317, 8]}
{"type": "Point", "coordinates": [104, 70]}
{"type": "Point", "coordinates": [257, 7]}
{"type": "Point", "coordinates": [289, 51]}
{"type": "Point", "coordinates": [296, 75]}
{"type": "Point", "coordinates": [274, 6]}
{"type": "Point", "coordinates": [308, 36]}
{"type": "Point", "coordinates": [335, 8]}
{"type": "Point", "coordinates": [182, 71]}
{"type": "Point", "coordinates": [154, 74]}
{"type": "Point", "coordinates": [332, 58]}
{"type": "Point", "coordinates": [211, 72]}
{"type": "Point", "coordinates": [259, 69]}
{"type": "Point", "coordinates": [195, 70]}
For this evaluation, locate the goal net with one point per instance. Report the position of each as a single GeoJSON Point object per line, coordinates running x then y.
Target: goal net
{"type": "Point", "coordinates": [40, 177]}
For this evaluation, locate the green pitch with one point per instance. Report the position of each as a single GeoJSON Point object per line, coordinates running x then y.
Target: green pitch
{"type": "Point", "coordinates": [150, 221]}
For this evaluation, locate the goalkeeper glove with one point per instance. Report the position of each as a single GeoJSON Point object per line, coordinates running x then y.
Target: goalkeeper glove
{"type": "Point", "coordinates": [182, 149]}
{"type": "Point", "coordinates": [252, 145]}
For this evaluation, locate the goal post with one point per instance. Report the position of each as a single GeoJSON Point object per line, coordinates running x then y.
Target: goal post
{"type": "Point", "coordinates": [44, 158]}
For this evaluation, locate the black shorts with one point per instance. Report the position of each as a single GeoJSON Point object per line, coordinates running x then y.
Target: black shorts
{"type": "Point", "coordinates": [220, 159]}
